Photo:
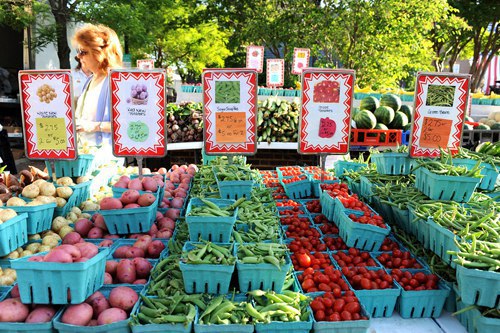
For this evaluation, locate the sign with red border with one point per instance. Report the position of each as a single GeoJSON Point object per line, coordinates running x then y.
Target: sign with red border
{"type": "Point", "coordinates": [255, 58]}
{"type": "Point", "coordinates": [300, 60]}
{"type": "Point", "coordinates": [48, 119]}
{"type": "Point", "coordinates": [230, 111]}
{"type": "Point", "coordinates": [441, 101]}
{"type": "Point", "coordinates": [275, 73]}
{"type": "Point", "coordinates": [325, 117]}
{"type": "Point", "coordinates": [138, 112]}
{"type": "Point", "coordinates": [145, 64]}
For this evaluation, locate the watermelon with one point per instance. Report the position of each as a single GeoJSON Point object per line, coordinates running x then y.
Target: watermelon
{"type": "Point", "coordinates": [391, 100]}
{"type": "Point", "coordinates": [381, 127]}
{"type": "Point", "coordinates": [384, 114]}
{"type": "Point", "coordinates": [365, 119]}
{"type": "Point", "coordinates": [354, 112]}
{"type": "Point", "coordinates": [369, 103]}
{"type": "Point", "coordinates": [400, 120]}
{"type": "Point", "coordinates": [469, 119]}
{"type": "Point", "coordinates": [495, 126]}
{"type": "Point", "coordinates": [407, 110]}
{"type": "Point", "coordinates": [482, 127]}
{"type": "Point", "coordinates": [407, 127]}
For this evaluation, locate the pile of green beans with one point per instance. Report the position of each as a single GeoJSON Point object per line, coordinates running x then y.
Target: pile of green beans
{"type": "Point", "coordinates": [176, 243]}
{"type": "Point", "coordinates": [259, 253]}
{"type": "Point", "coordinates": [448, 169]}
{"type": "Point", "coordinates": [209, 253]}
{"type": "Point", "coordinates": [478, 254]}
{"type": "Point", "coordinates": [223, 311]}
{"type": "Point", "coordinates": [288, 306]}
{"type": "Point", "coordinates": [178, 309]}
{"type": "Point", "coordinates": [232, 172]}
{"type": "Point", "coordinates": [166, 278]}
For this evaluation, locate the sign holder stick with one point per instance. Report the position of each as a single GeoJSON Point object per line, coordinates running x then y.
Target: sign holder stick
{"type": "Point", "coordinates": [139, 165]}
{"type": "Point", "coordinates": [323, 166]}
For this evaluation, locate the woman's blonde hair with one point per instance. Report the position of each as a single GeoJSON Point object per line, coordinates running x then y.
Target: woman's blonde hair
{"type": "Point", "coordinates": [104, 44]}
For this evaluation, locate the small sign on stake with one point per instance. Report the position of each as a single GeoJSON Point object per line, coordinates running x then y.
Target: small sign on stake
{"type": "Point", "coordinates": [441, 101]}
{"type": "Point", "coordinates": [255, 58]}
{"type": "Point", "coordinates": [48, 119]}
{"type": "Point", "coordinates": [230, 111]}
{"type": "Point", "coordinates": [137, 113]}
{"type": "Point", "coordinates": [300, 60]}
{"type": "Point", "coordinates": [145, 64]}
{"type": "Point", "coordinates": [275, 72]}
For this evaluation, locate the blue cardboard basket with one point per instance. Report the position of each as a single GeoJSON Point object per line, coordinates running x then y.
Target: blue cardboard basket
{"type": "Point", "coordinates": [316, 185]}
{"type": "Point", "coordinates": [285, 326]}
{"type": "Point", "coordinates": [75, 168]}
{"type": "Point", "coordinates": [130, 220]}
{"type": "Point", "coordinates": [379, 302]}
{"type": "Point", "coordinates": [81, 192]}
{"type": "Point", "coordinates": [340, 166]}
{"type": "Point", "coordinates": [13, 234]}
{"type": "Point", "coordinates": [392, 163]}
{"type": "Point", "coordinates": [419, 228]}
{"type": "Point", "coordinates": [297, 190]}
{"type": "Point", "coordinates": [401, 218]}
{"type": "Point", "coordinates": [489, 172]}
{"type": "Point", "coordinates": [384, 209]}
{"type": "Point", "coordinates": [205, 278]}
{"type": "Point", "coordinates": [49, 283]}
{"type": "Point", "coordinates": [261, 276]}
{"type": "Point", "coordinates": [21, 327]}
{"type": "Point", "coordinates": [366, 188]}
{"type": "Point", "coordinates": [422, 303]}
{"type": "Point", "coordinates": [122, 326]}
{"type": "Point", "coordinates": [362, 236]}
{"type": "Point", "coordinates": [235, 189]}
{"type": "Point", "coordinates": [442, 187]}
{"type": "Point", "coordinates": [212, 228]}
{"type": "Point", "coordinates": [39, 217]}
{"type": "Point", "coordinates": [479, 287]}
{"type": "Point", "coordinates": [442, 240]}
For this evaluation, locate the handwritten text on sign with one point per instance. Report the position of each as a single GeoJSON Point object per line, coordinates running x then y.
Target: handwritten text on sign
{"type": "Point", "coordinates": [230, 126]}
{"type": "Point", "coordinates": [51, 133]}
{"type": "Point", "coordinates": [435, 132]}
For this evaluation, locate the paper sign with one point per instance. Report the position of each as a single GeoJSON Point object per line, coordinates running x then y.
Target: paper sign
{"type": "Point", "coordinates": [275, 72]}
{"type": "Point", "coordinates": [145, 64]}
{"type": "Point", "coordinates": [51, 133]}
{"type": "Point", "coordinates": [231, 126]}
{"type": "Point", "coordinates": [300, 60]}
{"type": "Point", "coordinates": [255, 58]}
{"type": "Point", "coordinates": [48, 123]}
{"type": "Point", "coordinates": [325, 117]}
{"type": "Point", "coordinates": [137, 112]}
{"type": "Point", "coordinates": [440, 105]}
{"type": "Point", "coordinates": [230, 111]}
{"type": "Point", "coordinates": [435, 132]}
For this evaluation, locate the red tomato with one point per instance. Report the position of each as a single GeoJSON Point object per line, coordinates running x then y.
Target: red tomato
{"type": "Point", "coordinates": [304, 260]}
{"type": "Point", "coordinates": [352, 307]}
{"type": "Point", "coordinates": [346, 315]}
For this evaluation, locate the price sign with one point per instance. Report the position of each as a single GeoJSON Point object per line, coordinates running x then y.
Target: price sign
{"type": "Point", "coordinates": [230, 111]}
{"type": "Point", "coordinates": [145, 64]}
{"type": "Point", "coordinates": [255, 58]}
{"type": "Point", "coordinates": [48, 120]}
{"type": "Point", "coordinates": [275, 72]}
{"type": "Point", "coordinates": [300, 60]}
{"type": "Point", "coordinates": [325, 117]}
{"type": "Point", "coordinates": [441, 102]}
{"type": "Point", "coordinates": [137, 113]}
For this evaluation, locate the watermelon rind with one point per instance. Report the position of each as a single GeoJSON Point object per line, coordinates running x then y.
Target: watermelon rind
{"type": "Point", "coordinates": [381, 126]}
{"type": "Point", "coordinates": [391, 100]}
{"type": "Point", "coordinates": [364, 119]}
{"type": "Point", "coordinates": [400, 120]}
{"type": "Point", "coordinates": [495, 126]}
{"type": "Point", "coordinates": [483, 127]}
{"type": "Point", "coordinates": [369, 103]}
{"type": "Point", "coordinates": [407, 110]}
{"type": "Point", "coordinates": [384, 114]}
{"type": "Point", "coordinates": [407, 127]}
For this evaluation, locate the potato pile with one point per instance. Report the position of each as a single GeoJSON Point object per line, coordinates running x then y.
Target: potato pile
{"type": "Point", "coordinates": [7, 276]}
{"type": "Point", "coordinates": [46, 93]}
{"type": "Point", "coordinates": [48, 240]}
{"type": "Point", "coordinates": [61, 224]}
{"type": "Point", "coordinates": [7, 214]}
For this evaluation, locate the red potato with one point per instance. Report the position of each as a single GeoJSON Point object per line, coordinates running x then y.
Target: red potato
{"type": "Point", "coordinates": [111, 266]}
{"type": "Point", "coordinates": [132, 205]}
{"type": "Point", "coordinates": [134, 252]}
{"type": "Point", "coordinates": [177, 203]}
{"type": "Point", "coordinates": [130, 197]}
{"type": "Point", "coordinates": [134, 236]}
{"type": "Point", "coordinates": [135, 184]}
{"type": "Point", "coordinates": [94, 296]}
{"type": "Point", "coordinates": [140, 281]}
{"type": "Point", "coordinates": [88, 250]}
{"type": "Point", "coordinates": [36, 259]}
{"type": "Point", "coordinates": [42, 314]}
{"type": "Point", "coordinates": [164, 233]}
{"type": "Point", "coordinates": [109, 203]}
{"type": "Point", "coordinates": [125, 271]}
{"type": "Point", "coordinates": [146, 199]}
{"type": "Point", "coordinates": [14, 292]}
{"type": "Point", "coordinates": [111, 236]}
{"type": "Point", "coordinates": [123, 298]}
{"type": "Point", "coordinates": [121, 252]}
{"type": "Point", "coordinates": [155, 248]}
{"type": "Point", "coordinates": [154, 229]}
{"type": "Point", "coordinates": [120, 184]}
{"type": "Point", "coordinates": [111, 315]}
{"type": "Point", "coordinates": [124, 178]}
{"type": "Point", "coordinates": [149, 184]}
{"type": "Point", "coordinates": [162, 171]}
{"type": "Point", "coordinates": [95, 233]}
{"type": "Point", "coordinates": [72, 238]}
{"type": "Point", "coordinates": [108, 279]}
{"type": "Point", "coordinates": [93, 322]}
{"type": "Point", "coordinates": [106, 243]}
{"type": "Point", "coordinates": [77, 314]}
{"type": "Point", "coordinates": [142, 267]}
{"type": "Point", "coordinates": [173, 213]}
{"type": "Point", "coordinates": [82, 259]}
{"type": "Point", "coordinates": [99, 305]}
{"type": "Point", "coordinates": [158, 216]}
{"type": "Point", "coordinates": [166, 223]}
{"type": "Point", "coordinates": [12, 310]}
{"type": "Point", "coordinates": [58, 255]}
{"type": "Point", "coordinates": [99, 222]}
{"type": "Point", "coordinates": [83, 226]}
{"type": "Point", "coordinates": [143, 242]}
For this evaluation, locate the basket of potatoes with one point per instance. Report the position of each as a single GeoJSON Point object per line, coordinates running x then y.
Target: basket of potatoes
{"type": "Point", "coordinates": [13, 230]}
{"type": "Point", "coordinates": [37, 243]}
{"type": "Point", "coordinates": [8, 276]}
{"type": "Point", "coordinates": [76, 168]}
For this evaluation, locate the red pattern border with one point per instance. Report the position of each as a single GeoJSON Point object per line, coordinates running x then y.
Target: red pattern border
{"type": "Point", "coordinates": [261, 63]}
{"type": "Point", "coordinates": [282, 74]}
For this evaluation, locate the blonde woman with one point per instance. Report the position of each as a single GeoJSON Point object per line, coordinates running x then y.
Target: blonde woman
{"type": "Point", "coordinates": [99, 50]}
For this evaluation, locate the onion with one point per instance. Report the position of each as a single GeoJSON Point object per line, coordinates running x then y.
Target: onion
{"type": "Point", "coordinates": [173, 213]}
{"type": "Point", "coordinates": [177, 202]}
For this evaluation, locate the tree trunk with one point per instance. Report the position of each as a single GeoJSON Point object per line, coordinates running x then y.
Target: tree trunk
{"type": "Point", "coordinates": [59, 10]}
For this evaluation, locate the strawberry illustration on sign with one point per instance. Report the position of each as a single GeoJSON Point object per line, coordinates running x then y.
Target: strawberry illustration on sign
{"type": "Point", "coordinates": [327, 128]}
{"type": "Point", "coordinates": [326, 92]}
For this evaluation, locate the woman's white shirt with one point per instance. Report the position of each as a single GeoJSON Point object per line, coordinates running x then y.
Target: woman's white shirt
{"type": "Point", "coordinates": [86, 110]}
